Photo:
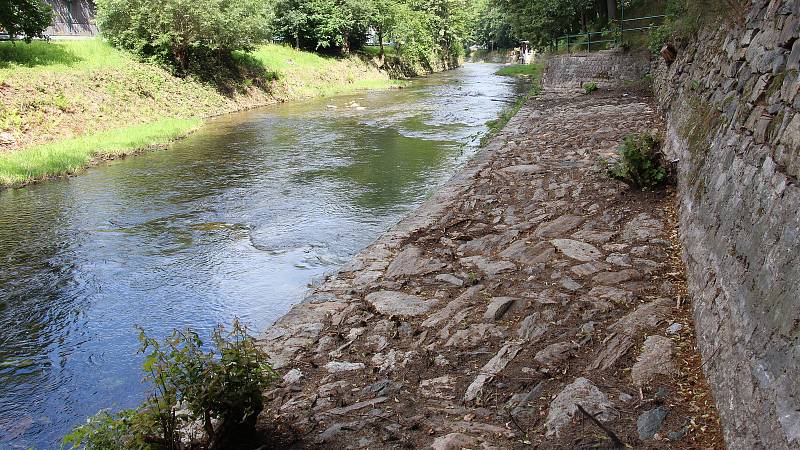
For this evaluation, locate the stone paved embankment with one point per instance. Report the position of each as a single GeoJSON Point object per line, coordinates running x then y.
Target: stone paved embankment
{"type": "Point", "coordinates": [528, 285]}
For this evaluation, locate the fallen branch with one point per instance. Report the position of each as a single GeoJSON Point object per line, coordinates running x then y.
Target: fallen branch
{"type": "Point", "coordinates": [614, 439]}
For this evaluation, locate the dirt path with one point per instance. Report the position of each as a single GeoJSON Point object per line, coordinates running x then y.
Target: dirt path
{"type": "Point", "coordinates": [528, 285]}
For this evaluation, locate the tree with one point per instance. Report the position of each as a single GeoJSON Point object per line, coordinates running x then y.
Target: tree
{"type": "Point", "coordinates": [26, 18]}
{"type": "Point", "coordinates": [540, 21]}
{"type": "Point", "coordinates": [383, 17]}
{"type": "Point", "coordinates": [182, 32]}
{"type": "Point", "coordinates": [333, 25]}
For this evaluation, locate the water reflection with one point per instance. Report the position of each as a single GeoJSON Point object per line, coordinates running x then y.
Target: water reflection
{"type": "Point", "coordinates": [234, 221]}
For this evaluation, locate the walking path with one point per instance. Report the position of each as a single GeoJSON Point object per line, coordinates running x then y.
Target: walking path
{"type": "Point", "coordinates": [529, 285]}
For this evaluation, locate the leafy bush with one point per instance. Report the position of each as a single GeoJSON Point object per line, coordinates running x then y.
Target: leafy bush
{"type": "Point", "coordinates": [184, 33]}
{"type": "Point", "coordinates": [640, 162]}
{"type": "Point", "coordinates": [26, 18]}
{"type": "Point", "coordinates": [219, 391]}
{"type": "Point", "coordinates": [590, 87]}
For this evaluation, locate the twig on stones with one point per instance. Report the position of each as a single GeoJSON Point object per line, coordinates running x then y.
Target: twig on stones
{"type": "Point", "coordinates": [516, 424]}
{"type": "Point", "coordinates": [614, 439]}
{"type": "Point", "coordinates": [711, 356]}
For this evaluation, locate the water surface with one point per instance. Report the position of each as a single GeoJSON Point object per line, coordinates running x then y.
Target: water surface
{"type": "Point", "coordinates": [235, 220]}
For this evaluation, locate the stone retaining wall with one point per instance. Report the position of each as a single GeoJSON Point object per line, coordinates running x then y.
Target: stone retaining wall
{"type": "Point", "coordinates": [731, 105]}
{"type": "Point", "coordinates": [606, 68]}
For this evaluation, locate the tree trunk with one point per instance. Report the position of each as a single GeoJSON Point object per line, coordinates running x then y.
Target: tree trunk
{"type": "Point", "coordinates": [602, 11]}
{"type": "Point", "coordinates": [612, 9]}
{"type": "Point", "coordinates": [382, 54]}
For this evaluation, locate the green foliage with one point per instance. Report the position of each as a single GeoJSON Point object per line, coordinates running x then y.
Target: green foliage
{"type": "Point", "coordinates": [590, 87]}
{"type": "Point", "coordinates": [26, 18]}
{"type": "Point", "coordinates": [540, 21]}
{"type": "Point", "coordinates": [493, 26]}
{"type": "Point", "coordinates": [60, 56]}
{"type": "Point", "coordinates": [184, 34]}
{"type": "Point", "coordinates": [106, 430]}
{"type": "Point", "coordinates": [338, 25]}
{"type": "Point", "coordinates": [640, 162]}
{"type": "Point", "coordinates": [224, 385]}
{"type": "Point", "coordinates": [685, 18]}
{"type": "Point", "coordinates": [422, 32]}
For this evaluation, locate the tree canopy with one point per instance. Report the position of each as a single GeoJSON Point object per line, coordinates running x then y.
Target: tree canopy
{"type": "Point", "coordinates": [26, 18]}
{"type": "Point", "coordinates": [179, 32]}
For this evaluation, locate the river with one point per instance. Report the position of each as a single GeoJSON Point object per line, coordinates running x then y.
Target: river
{"type": "Point", "coordinates": [234, 221]}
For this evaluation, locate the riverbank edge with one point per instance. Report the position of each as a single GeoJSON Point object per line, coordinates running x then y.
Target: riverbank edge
{"type": "Point", "coordinates": [254, 98]}
{"type": "Point", "coordinates": [383, 248]}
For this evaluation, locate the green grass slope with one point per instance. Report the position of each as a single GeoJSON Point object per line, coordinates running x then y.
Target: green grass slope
{"type": "Point", "coordinates": [67, 93]}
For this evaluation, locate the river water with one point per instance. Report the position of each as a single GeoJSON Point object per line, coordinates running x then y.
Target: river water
{"type": "Point", "coordinates": [234, 221]}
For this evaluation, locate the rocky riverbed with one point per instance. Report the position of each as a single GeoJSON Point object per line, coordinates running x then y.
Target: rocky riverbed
{"type": "Point", "coordinates": [529, 288]}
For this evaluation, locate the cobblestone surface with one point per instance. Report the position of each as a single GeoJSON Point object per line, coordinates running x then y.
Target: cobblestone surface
{"type": "Point", "coordinates": [528, 285]}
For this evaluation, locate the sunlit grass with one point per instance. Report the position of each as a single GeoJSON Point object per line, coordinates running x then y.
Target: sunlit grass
{"type": "Point", "coordinates": [279, 57]}
{"type": "Point", "coordinates": [531, 70]}
{"type": "Point", "coordinates": [505, 116]}
{"type": "Point", "coordinates": [59, 56]}
{"type": "Point", "coordinates": [71, 155]}
{"type": "Point", "coordinates": [374, 50]}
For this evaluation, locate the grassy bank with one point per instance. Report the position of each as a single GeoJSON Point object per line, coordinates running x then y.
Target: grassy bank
{"type": "Point", "coordinates": [70, 155]}
{"type": "Point", "coordinates": [534, 72]}
{"type": "Point", "coordinates": [65, 104]}
{"type": "Point", "coordinates": [522, 70]}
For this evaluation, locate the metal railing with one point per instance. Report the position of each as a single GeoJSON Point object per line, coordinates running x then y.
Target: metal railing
{"type": "Point", "coordinates": [606, 36]}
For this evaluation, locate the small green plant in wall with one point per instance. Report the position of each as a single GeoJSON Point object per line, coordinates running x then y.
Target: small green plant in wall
{"type": "Point", "coordinates": [639, 163]}
{"type": "Point", "coordinates": [590, 87]}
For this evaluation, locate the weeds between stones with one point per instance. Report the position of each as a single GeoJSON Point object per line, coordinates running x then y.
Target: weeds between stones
{"type": "Point", "coordinates": [640, 163]}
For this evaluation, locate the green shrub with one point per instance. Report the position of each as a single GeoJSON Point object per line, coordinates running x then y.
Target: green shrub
{"type": "Point", "coordinates": [189, 386]}
{"type": "Point", "coordinates": [590, 87]}
{"type": "Point", "coordinates": [184, 34]}
{"type": "Point", "coordinates": [640, 162]}
{"type": "Point", "coordinates": [27, 18]}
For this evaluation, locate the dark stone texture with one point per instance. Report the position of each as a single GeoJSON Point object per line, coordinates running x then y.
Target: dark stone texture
{"type": "Point", "coordinates": [739, 164]}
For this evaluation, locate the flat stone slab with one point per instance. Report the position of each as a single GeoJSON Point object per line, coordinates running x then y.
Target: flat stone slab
{"type": "Point", "coordinates": [492, 368]}
{"type": "Point", "coordinates": [490, 268]}
{"type": "Point", "coordinates": [655, 359]}
{"type": "Point", "coordinates": [523, 169]}
{"type": "Point", "coordinates": [578, 250]}
{"type": "Point", "coordinates": [645, 316]}
{"type": "Point", "coordinates": [648, 424]}
{"type": "Point", "coordinates": [411, 262]}
{"type": "Point", "coordinates": [527, 253]}
{"type": "Point", "coordinates": [393, 303]}
{"type": "Point", "coordinates": [564, 407]}
{"type": "Point", "coordinates": [343, 366]}
{"type": "Point", "coordinates": [534, 326]}
{"type": "Point", "coordinates": [559, 227]}
{"type": "Point", "coordinates": [553, 354]}
{"type": "Point", "coordinates": [642, 227]}
{"type": "Point", "coordinates": [498, 307]}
